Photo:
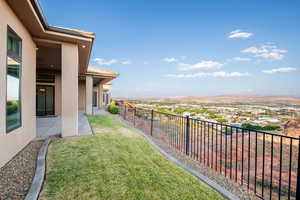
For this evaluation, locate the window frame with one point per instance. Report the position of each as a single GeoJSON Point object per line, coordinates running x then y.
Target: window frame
{"type": "Point", "coordinates": [18, 59]}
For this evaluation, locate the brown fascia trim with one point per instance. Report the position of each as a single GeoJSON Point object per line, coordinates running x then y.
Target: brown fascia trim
{"type": "Point", "coordinates": [100, 75]}
{"type": "Point", "coordinates": [39, 12]}
{"type": "Point", "coordinates": [38, 9]}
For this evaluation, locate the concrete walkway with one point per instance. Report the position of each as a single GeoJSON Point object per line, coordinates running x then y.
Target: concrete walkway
{"type": "Point", "coordinates": [49, 126]}
{"type": "Point", "coordinates": [83, 124]}
{"type": "Point", "coordinates": [97, 111]}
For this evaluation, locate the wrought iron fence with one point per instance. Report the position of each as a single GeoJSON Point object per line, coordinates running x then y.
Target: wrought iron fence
{"type": "Point", "coordinates": [266, 163]}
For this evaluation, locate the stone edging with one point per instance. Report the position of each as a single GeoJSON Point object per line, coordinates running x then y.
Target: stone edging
{"type": "Point", "coordinates": [40, 170]}
{"type": "Point", "coordinates": [223, 191]}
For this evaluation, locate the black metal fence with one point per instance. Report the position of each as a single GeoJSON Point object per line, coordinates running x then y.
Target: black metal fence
{"type": "Point", "coordinates": [266, 163]}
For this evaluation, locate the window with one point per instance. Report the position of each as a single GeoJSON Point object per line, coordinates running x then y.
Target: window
{"type": "Point", "coordinates": [13, 81]}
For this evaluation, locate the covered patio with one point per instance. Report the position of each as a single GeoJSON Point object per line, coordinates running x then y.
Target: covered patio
{"type": "Point", "coordinates": [51, 126]}
{"type": "Point", "coordinates": [65, 93]}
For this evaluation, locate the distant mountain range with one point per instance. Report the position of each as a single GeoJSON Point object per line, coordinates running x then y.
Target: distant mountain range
{"type": "Point", "coordinates": [256, 99]}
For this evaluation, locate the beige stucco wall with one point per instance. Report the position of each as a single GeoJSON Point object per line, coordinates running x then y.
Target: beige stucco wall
{"type": "Point", "coordinates": [81, 94]}
{"type": "Point", "coordinates": [69, 90]}
{"type": "Point", "coordinates": [88, 95]}
{"type": "Point", "coordinates": [13, 142]}
{"type": "Point", "coordinates": [106, 87]}
{"type": "Point", "coordinates": [100, 95]}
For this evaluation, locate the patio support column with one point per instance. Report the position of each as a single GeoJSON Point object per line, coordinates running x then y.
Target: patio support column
{"type": "Point", "coordinates": [100, 94]}
{"type": "Point", "coordinates": [88, 95]}
{"type": "Point", "coordinates": [109, 97]}
{"type": "Point", "coordinates": [69, 86]}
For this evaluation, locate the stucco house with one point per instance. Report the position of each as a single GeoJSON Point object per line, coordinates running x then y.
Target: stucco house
{"type": "Point", "coordinates": [43, 72]}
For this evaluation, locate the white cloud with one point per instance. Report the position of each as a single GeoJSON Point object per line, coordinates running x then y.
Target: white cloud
{"type": "Point", "coordinates": [268, 51]}
{"type": "Point", "coordinates": [102, 61]}
{"type": "Point", "coordinates": [203, 65]}
{"type": "Point", "coordinates": [126, 62]}
{"type": "Point", "coordinates": [239, 59]}
{"type": "Point", "coordinates": [183, 57]}
{"type": "Point", "coordinates": [239, 34]}
{"type": "Point", "coordinates": [170, 60]}
{"type": "Point", "coordinates": [280, 70]}
{"type": "Point", "coordinates": [209, 74]}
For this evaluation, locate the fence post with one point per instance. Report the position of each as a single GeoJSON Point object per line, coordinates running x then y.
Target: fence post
{"type": "Point", "coordinates": [134, 111]}
{"type": "Point", "coordinates": [125, 112]}
{"type": "Point", "coordinates": [298, 173]}
{"type": "Point", "coordinates": [151, 128]}
{"type": "Point", "coordinates": [187, 136]}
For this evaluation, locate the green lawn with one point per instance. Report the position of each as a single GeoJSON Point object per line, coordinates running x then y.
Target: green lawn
{"type": "Point", "coordinates": [116, 163]}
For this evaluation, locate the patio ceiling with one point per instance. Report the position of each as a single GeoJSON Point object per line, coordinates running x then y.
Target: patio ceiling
{"type": "Point", "coordinates": [30, 13]}
{"type": "Point", "coordinates": [48, 57]}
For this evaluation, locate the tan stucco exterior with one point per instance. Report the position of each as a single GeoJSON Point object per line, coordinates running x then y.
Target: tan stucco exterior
{"type": "Point", "coordinates": [81, 94]}
{"type": "Point", "coordinates": [100, 95]}
{"type": "Point", "coordinates": [88, 95]}
{"type": "Point", "coordinates": [13, 142]}
{"type": "Point", "coordinates": [69, 114]}
{"type": "Point", "coordinates": [66, 59]}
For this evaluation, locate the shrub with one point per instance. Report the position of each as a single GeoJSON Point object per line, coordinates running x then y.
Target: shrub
{"type": "Point", "coordinates": [180, 110]}
{"type": "Point", "coordinates": [271, 128]}
{"type": "Point", "coordinates": [113, 108]}
{"type": "Point", "coordinates": [221, 120]}
{"type": "Point", "coordinates": [213, 116]}
{"type": "Point", "coordinates": [261, 128]}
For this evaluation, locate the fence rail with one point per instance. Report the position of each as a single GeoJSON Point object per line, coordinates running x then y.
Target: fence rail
{"type": "Point", "coordinates": [266, 163]}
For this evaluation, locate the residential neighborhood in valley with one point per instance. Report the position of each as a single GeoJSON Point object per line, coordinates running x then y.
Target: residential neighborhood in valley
{"type": "Point", "coordinates": [272, 117]}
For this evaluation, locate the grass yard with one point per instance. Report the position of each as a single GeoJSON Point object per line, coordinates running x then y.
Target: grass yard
{"type": "Point", "coordinates": [116, 163]}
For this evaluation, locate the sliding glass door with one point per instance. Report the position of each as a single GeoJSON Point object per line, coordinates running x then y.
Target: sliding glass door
{"type": "Point", "coordinates": [44, 100]}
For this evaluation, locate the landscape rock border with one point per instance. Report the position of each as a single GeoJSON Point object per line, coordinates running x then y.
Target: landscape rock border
{"type": "Point", "coordinates": [38, 180]}
{"type": "Point", "coordinates": [223, 191]}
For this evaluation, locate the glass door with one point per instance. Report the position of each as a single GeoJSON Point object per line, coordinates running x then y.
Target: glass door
{"type": "Point", "coordinates": [94, 98]}
{"type": "Point", "coordinates": [44, 100]}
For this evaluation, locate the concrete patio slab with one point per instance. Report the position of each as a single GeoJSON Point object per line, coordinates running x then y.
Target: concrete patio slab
{"type": "Point", "coordinates": [97, 111]}
{"type": "Point", "coordinates": [50, 126]}
{"type": "Point", "coordinates": [83, 125]}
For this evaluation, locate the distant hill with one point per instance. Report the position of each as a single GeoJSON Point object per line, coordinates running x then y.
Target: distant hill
{"type": "Point", "coordinates": [257, 99]}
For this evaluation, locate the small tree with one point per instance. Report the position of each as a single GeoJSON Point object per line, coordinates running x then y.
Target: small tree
{"type": "Point", "coordinates": [113, 108]}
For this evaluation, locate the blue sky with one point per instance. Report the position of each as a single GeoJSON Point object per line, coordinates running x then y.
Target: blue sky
{"type": "Point", "coordinates": [179, 48]}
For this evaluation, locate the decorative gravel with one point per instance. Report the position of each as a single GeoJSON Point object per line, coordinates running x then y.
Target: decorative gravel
{"type": "Point", "coordinates": [17, 174]}
{"type": "Point", "coordinates": [230, 185]}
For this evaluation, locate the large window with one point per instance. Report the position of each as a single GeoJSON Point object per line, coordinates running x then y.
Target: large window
{"type": "Point", "coordinates": [13, 80]}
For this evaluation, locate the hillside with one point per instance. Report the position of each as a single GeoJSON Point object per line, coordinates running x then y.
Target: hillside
{"type": "Point", "coordinates": [257, 99]}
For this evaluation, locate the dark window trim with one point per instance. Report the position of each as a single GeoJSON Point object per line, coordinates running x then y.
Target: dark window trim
{"type": "Point", "coordinates": [19, 59]}
{"type": "Point", "coordinates": [10, 53]}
